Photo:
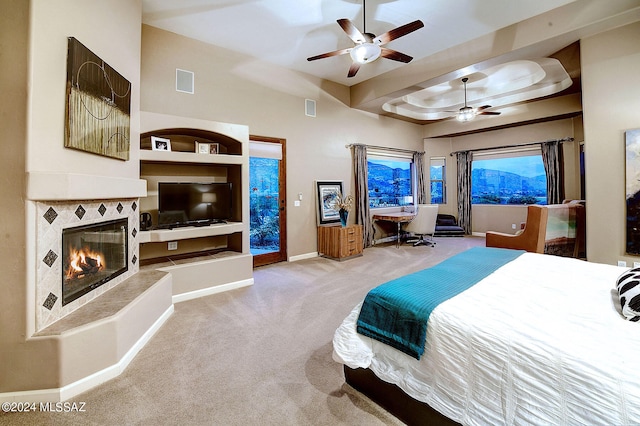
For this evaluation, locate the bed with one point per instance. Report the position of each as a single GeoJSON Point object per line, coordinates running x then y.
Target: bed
{"type": "Point", "coordinates": [540, 340]}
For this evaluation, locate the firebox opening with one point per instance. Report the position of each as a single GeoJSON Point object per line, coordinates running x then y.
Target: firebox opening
{"type": "Point", "coordinates": [93, 255]}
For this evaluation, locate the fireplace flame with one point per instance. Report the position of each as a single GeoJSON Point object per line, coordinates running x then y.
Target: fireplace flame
{"type": "Point", "coordinates": [84, 262]}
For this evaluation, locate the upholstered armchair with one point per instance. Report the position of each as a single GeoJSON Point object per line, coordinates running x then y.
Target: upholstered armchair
{"type": "Point", "coordinates": [557, 229]}
{"type": "Point", "coordinates": [565, 234]}
{"type": "Point", "coordinates": [532, 237]}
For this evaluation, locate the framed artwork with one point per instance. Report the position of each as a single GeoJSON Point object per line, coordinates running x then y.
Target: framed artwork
{"type": "Point", "coordinates": [98, 106]}
{"type": "Point", "coordinates": [632, 190]}
{"type": "Point", "coordinates": [202, 148]}
{"type": "Point", "coordinates": [207, 148]}
{"type": "Point", "coordinates": [160, 144]}
{"type": "Point", "coordinates": [327, 192]}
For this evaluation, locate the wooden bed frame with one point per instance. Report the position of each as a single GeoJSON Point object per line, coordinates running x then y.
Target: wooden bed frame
{"type": "Point", "coordinates": [394, 400]}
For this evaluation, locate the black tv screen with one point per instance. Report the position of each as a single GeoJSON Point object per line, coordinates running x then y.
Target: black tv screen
{"type": "Point", "coordinates": [193, 203]}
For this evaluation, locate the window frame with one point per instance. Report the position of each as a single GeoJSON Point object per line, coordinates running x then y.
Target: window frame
{"type": "Point", "coordinates": [397, 156]}
{"type": "Point", "coordinates": [443, 180]}
{"type": "Point", "coordinates": [509, 153]}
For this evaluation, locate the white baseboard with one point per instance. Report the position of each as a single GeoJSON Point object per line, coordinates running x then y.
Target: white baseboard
{"type": "Point", "coordinates": [478, 234]}
{"type": "Point", "coordinates": [302, 257]}
{"type": "Point", "coordinates": [177, 298]}
{"type": "Point", "coordinates": [76, 388]}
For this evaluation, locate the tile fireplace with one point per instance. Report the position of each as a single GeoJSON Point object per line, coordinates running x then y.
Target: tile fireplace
{"type": "Point", "coordinates": [84, 248]}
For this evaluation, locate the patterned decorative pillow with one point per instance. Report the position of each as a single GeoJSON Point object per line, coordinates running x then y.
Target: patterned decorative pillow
{"type": "Point", "coordinates": [628, 286]}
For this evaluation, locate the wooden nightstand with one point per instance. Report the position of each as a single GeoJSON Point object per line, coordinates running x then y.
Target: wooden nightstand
{"type": "Point", "coordinates": [336, 242]}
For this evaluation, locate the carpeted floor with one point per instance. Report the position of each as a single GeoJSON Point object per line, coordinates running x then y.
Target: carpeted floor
{"type": "Point", "coordinates": [256, 355]}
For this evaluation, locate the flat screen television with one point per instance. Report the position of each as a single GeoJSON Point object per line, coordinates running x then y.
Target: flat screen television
{"type": "Point", "coordinates": [193, 203]}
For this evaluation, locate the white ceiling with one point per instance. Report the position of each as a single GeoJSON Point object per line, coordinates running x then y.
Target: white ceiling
{"type": "Point", "coordinates": [287, 32]}
{"type": "Point", "coordinates": [458, 40]}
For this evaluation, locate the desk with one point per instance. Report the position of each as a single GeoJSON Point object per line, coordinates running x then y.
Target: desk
{"type": "Point", "coordinates": [399, 218]}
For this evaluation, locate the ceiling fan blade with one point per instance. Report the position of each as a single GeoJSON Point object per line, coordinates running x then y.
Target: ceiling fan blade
{"type": "Point", "coordinates": [395, 55]}
{"type": "Point", "coordinates": [329, 54]}
{"type": "Point", "coordinates": [479, 111]}
{"type": "Point", "coordinates": [398, 32]}
{"type": "Point", "coordinates": [351, 30]}
{"type": "Point", "coordinates": [353, 69]}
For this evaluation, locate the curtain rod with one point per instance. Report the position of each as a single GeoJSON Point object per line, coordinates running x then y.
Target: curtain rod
{"type": "Point", "coordinates": [567, 139]}
{"type": "Point", "coordinates": [382, 147]}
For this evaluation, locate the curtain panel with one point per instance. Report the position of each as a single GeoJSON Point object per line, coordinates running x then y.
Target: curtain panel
{"type": "Point", "coordinates": [464, 190]}
{"type": "Point", "coordinates": [361, 197]}
{"type": "Point", "coordinates": [421, 190]}
{"type": "Point", "coordinates": [552, 160]}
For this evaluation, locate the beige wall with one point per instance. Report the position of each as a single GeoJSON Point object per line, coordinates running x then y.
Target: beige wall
{"type": "Point", "coordinates": [14, 32]}
{"type": "Point", "coordinates": [110, 29]}
{"type": "Point", "coordinates": [501, 218]}
{"type": "Point", "coordinates": [611, 101]}
{"type": "Point", "coordinates": [33, 62]}
{"type": "Point", "coordinates": [233, 88]}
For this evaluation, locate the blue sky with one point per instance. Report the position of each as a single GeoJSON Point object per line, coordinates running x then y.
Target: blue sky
{"type": "Point", "coordinates": [404, 165]}
{"type": "Point", "coordinates": [528, 166]}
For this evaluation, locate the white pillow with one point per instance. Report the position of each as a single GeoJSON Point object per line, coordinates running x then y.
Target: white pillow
{"type": "Point", "coordinates": [628, 286]}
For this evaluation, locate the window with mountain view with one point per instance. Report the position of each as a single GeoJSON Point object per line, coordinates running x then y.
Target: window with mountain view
{"type": "Point", "coordinates": [437, 180]}
{"type": "Point", "coordinates": [390, 182]}
{"type": "Point", "coordinates": [509, 180]}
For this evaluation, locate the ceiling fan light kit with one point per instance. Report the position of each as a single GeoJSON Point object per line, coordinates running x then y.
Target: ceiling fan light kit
{"type": "Point", "coordinates": [365, 53]}
{"type": "Point", "coordinates": [466, 114]}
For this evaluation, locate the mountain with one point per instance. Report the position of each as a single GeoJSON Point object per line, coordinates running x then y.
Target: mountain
{"type": "Point", "coordinates": [388, 180]}
{"type": "Point", "coordinates": [505, 184]}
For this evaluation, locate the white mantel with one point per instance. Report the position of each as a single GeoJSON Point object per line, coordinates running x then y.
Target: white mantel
{"type": "Point", "coordinates": [53, 186]}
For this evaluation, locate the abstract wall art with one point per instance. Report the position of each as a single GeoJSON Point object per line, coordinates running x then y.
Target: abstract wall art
{"type": "Point", "coordinates": [98, 105]}
{"type": "Point", "coordinates": [632, 148]}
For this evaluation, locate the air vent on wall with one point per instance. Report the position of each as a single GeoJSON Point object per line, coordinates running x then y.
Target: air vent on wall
{"type": "Point", "coordinates": [184, 81]}
{"type": "Point", "coordinates": [310, 107]}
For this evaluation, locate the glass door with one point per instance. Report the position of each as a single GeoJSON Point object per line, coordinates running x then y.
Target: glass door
{"type": "Point", "coordinates": [267, 224]}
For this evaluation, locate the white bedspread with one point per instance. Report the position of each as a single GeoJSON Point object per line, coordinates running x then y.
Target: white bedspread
{"type": "Point", "coordinates": [540, 341]}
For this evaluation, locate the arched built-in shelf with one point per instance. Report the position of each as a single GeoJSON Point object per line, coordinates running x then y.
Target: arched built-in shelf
{"type": "Point", "coordinates": [202, 260]}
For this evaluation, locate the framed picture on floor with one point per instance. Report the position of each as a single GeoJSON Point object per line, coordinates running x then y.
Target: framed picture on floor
{"type": "Point", "coordinates": [327, 193]}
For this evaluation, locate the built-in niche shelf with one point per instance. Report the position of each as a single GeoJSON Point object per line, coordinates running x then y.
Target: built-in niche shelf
{"type": "Point", "coordinates": [196, 262]}
{"type": "Point", "coordinates": [189, 157]}
{"type": "Point", "coordinates": [188, 232]}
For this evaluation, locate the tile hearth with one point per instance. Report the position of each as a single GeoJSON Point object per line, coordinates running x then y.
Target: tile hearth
{"type": "Point", "coordinates": [102, 308]}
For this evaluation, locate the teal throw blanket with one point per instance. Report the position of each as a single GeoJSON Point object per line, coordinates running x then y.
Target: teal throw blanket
{"type": "Point", "coordinates": [396, 313]}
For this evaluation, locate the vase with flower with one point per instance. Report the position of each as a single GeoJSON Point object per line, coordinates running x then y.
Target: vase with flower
{"type": "Point", "coordinates": [342, 204]}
